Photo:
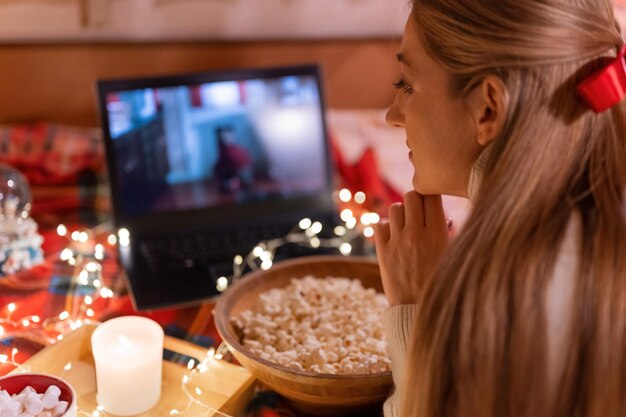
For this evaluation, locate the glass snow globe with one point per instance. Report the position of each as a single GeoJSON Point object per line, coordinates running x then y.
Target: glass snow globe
{"type": "Point", "coordinates": [20, 242]}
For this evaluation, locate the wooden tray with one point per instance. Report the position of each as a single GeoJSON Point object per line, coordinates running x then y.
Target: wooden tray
{"type": "Point", "coordinates": [224, 387]}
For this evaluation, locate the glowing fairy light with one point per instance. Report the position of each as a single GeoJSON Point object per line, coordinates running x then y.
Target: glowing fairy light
{"type": "Point", "coordinates": [345, 195]}
{"type": "Point", "coordinates": [190, 364]}
{"type": "Point", "coordinates": [238, 260]}
{"type": "Point", "coordinates": [305, 223]}
{"type": "Point", "coordinates": [316, 227]}
{"type": "Point", "coordinates": [11, 307]}
{"type": "Point", "coordinates": [106, 293]}
{"type": "Point", "coordinates": [351, 223]}
{"type": "Point", "coordinates": [257, 251]}
{"type": "Point", "coordinates": [83, 277]}
{"type": "Point", "coordinates": [35, 319]}
{"type": "Point", "coordinates": [88, 300]}
{"type": "Point", "coordinates": [83, 237]}
{"type": "Point", "coordinates": [25, 323]}
{"type": "Point", "coordinates": [368, 231]}
{"type": "Point", "coordinates": [340, 231]}
{"type": "Point", "coordinates": [346, 214]}
{"type": "Point", "coordinates": [111, 240]}
{"type": "Point", "coordinates": [66, 254]}
{"type": "Point", "coordinates": [64, 315]}
{"type": "Point", "coordinates": [315, 243]}
{"type": "Point", "coordinates": [61, 230]}
{"type": "Point", "coordinates": [345, 248]}
{"type": "Point", "coordinates": [124, 237]}
{"type": "Point", "coordinates": [90, 312]}
{"type": "Point", "coordinates": [221, 284]}
{"type": "Point", "coordinates": [359, 197]}
{"type": "Point", "coordinates": [265, 265]}
{"type": "Point", "coordinates": [365, 219]}
{"type": "Point", "coordinates": [75, 235]}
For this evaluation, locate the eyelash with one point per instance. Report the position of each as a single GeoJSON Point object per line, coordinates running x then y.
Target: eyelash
{"type": "Point", "coordinates": [400, 84]}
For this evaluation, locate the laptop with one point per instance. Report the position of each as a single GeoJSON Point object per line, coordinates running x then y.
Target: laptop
{"type": "Point", "coordinates": [204, 166]}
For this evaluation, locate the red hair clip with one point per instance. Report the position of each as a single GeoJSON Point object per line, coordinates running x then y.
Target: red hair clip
{"type": "Point", "coordinates": [606, 87]}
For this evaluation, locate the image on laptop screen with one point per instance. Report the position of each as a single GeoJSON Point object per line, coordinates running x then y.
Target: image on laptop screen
{"type": "Point", "coordinates": [216, 144]}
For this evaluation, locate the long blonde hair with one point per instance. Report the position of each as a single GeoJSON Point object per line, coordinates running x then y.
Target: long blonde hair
{"type": "Point", "coordinates": [480, 347]}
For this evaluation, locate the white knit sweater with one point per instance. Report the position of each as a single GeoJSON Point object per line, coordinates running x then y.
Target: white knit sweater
{"type": "Point", "coordinates": [400, 320]}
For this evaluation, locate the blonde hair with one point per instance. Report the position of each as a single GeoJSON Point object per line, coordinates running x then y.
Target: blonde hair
{"type": "Point", "coordinates": [480, 347]}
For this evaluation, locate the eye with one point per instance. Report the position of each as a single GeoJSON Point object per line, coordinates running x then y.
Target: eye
{"type": "Point", "coordinates": [400, 84]}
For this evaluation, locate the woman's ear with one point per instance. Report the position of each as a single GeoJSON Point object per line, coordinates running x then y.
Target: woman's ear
{"type": "Point", "coordinates": [488, 106]}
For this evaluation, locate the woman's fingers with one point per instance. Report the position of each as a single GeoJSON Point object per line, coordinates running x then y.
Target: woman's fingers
{"type": "Point", "coordinates": [433, 211]}
{"type": "Point", "coordinates": [413, 211]}
{"type": "Point", "coordinates": [396, 218]}
{"type": "Point", "coordinates": [409, 246]}
{"type": "Point", "coordinates": [381, 233]}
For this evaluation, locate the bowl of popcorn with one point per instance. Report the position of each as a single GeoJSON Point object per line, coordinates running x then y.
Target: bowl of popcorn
{"type": "Point", "coordinates": [36, 395]}
{"type": "Point", "coordinates": [311, 329]}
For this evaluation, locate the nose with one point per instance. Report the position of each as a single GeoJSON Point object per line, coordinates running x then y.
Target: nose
{"type": "Point", "coordinates": [394, 116]}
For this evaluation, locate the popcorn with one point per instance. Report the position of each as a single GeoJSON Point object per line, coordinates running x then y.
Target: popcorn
{"type": "Point", "coordinates": [29, 403]}
{"type": "Point", "coordinates": [326, 325]}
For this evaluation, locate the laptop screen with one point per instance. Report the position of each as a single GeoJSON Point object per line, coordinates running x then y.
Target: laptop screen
{"type": "Point", "coordinates": [215, 141]}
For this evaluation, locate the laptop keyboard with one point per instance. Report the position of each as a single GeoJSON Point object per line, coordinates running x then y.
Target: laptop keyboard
{"type": "Point", "coordinates": [203, 249]}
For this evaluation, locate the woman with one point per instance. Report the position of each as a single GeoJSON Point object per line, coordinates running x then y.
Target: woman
{"type": "Point", "coordinates": [524, 314]}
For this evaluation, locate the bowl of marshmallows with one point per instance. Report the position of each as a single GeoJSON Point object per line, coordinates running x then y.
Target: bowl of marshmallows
{"type": "Point", "coordinates": [36, 395]}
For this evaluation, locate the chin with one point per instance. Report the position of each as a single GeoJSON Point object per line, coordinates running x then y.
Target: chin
{"type": "Point", "coordinates": [418, 186]}
{"type": "Point", "coordinates": [427, 189]}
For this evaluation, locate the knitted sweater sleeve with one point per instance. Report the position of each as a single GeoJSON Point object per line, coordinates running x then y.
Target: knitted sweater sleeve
{"type": "Point", "coordinates": [399, 322]}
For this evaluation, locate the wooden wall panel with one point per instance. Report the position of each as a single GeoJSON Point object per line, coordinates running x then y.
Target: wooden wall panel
{"type": "Point", "coordinates": [56, 83]}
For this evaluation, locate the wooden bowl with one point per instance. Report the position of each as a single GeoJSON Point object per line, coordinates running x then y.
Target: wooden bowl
{"type": "Point", "coordinates": [309, 392]}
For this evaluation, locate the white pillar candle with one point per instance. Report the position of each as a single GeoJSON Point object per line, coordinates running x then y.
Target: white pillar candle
{"type": "Point", "coordinates": [128, 352]}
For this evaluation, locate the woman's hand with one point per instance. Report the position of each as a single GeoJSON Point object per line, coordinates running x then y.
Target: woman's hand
{"type": "Point", "coordinates": [409, 246]}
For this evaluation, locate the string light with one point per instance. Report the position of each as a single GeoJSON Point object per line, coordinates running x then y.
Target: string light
{"type": "Point", "coordinates": [359, 197]}
{"type": "Point", "coordinates": [88, 271]}
{"type": "Point", "coordinates": [306, 233]}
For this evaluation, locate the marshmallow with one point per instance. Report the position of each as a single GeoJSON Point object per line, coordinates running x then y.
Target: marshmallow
{"type": "Point", "coordinates": [60, 408]}
{"type": "Point", "coordinates": [29, 403]}
{"type": "Point", "coordinates": [19, 398]}
{"type": "Point", "coordinates": [53, 390]}
{"type": "Point", "coordinates": [28, 389]}
{"type": "Point", "coordinates": [33, 404]}
{"type": "Point", "coordinates": [49, 400]}
{"type": "Point", "coordinates": [4, 395]}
